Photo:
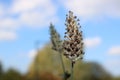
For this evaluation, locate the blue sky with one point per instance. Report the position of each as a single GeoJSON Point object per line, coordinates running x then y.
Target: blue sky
{"type": "Point", "coordinates": [23, 22]}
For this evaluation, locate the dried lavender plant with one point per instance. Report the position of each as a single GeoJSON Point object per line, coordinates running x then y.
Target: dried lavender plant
{"type": "Point", "coordinates": [55, 39]}
{"type": "Point", "coordinates": [73, 43]}
{"type": "Point", "coordinates": [57, 46]}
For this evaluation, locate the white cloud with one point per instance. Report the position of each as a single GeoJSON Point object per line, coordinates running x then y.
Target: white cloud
{"type": "Point", "coordinates": [32, 54]}
{"type": "Point", "coordinates": [92, 42]}
{"type": "Point", "coordinates": [94, 8]}
{"type": "Point", "coordinates": [27, 5]}
{"type": "Point", "coordinates": [7, 35]}
{"type": "Point", "coordinates": [7, 29]}
{"type": "Point", "coordinates": [30, 13]}
{"type": "Point", "coordinates": [114, 50]}
{"type": "Point", "coordinates": [8, 23]}
{"type": "Point", "coordinates": [22, 5]}
{"type": "Point", "coordinates": [36, 19]}
{"type": "Point", "coordinates": [34, 12]}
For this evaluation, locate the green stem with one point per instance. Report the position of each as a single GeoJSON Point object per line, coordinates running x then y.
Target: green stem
{"type": "Point", "coordinates": [62, 65]}
{"type": "Point", "coordinates": [72, 66]}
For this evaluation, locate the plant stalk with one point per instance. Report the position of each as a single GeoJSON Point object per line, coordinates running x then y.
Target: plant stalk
{"type": "Point", "coordinates": [63, 67]}
{"type": "Point", "coordinates": [72, 66]}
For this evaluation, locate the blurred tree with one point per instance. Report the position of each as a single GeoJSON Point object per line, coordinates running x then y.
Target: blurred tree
{"type": "Point", "coordinates": [36, 63]}
{"type": "Point", "coordinates": [93, 71]}
{"type": "Point", "coordinates": [48, 76]}
{"type": "Point", "coordinates": [12, 74]}
{"type": "Point", "coordinates": [116, 78]}
{"type": "Point", "coordinates": [1, 71]}
{"type": "Point", "coordinates": [49, 62]}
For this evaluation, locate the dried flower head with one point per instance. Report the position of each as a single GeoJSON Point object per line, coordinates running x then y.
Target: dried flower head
{"type": "Point", "coordinates": [73, 43]}
{"type": "Point", "coordinates": [55, 39]}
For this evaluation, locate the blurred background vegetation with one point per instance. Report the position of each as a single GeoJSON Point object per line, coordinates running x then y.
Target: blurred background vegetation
{"type": "Point", "coordinates": [49, 68]}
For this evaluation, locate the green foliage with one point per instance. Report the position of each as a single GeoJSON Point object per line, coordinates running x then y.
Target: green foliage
{"type": "Point", "coordinates": [116, 78]}
{"type": "Point", "coordinates": [12, 74]}
{"type": "Point", "coordinates": [49, 61]}
{"type": "Point", "coordinates": [91, 71]}
{"type": "Point", "coordinates": [1, 69]}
